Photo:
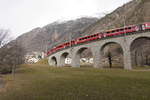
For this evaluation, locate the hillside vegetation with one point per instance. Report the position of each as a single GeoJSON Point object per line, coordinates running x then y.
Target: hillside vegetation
{"type": "Point", "coordinates": [42, 82]}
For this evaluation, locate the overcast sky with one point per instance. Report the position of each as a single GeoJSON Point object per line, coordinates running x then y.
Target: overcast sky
{"type": "Point", "coordinates": [21, 16]}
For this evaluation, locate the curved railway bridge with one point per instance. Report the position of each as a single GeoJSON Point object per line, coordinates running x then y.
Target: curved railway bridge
{"type": "Point", "coordinates": [125, 42]}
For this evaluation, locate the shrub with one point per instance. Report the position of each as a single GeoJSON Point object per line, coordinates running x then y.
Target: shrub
{"type": "Point", "coordinates": [43, 61]}
{"type": "Point", "coordinates": [5, 69]}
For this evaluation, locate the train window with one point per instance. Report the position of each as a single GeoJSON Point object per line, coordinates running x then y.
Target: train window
{"type": "Point", "coordinates": [129, 27]}
{"type": "Point", "coordinates": [117, 30]}
{"type": "Point", "coordinates": [122, 29]}
{"type": "Point", "coordinates": [113, 31]}
{"type": "Point", "coordinates": [107, 32]}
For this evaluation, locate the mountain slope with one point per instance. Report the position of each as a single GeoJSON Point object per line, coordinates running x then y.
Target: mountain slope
{"type": "Point", "coordinates": [134, 12]}
{"type": "Point", "coordinates": [38, 38]}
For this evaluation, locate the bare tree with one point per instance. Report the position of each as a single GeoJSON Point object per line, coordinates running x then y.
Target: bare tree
{"type": "Point", "coordinates": [3, 37]}
{"type": "Point", "coordinates": [11, 54]}
{"type": "Point", "coordinates": [109, 56]}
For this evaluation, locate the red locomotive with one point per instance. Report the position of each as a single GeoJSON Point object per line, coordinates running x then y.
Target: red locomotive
{"type": "Point", "coordinates": [109, 33]}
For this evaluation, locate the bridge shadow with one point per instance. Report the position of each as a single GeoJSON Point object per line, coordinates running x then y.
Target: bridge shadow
{"type": "Point", "coordinates": [114, 67]}
{"type": "Point", "coordinates": [81, 66]}
{"type": "Point", "coordinates": [86, 66]}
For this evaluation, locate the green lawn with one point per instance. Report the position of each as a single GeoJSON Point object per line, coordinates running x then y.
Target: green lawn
{"type": "Point", "coordinates": [41, 82]}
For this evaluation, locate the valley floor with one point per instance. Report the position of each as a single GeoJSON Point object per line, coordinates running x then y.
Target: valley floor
{"type": "Point", "coordinates": [41, 82]}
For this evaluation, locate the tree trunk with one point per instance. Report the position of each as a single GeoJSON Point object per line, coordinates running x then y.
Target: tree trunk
{"type": "Point", "coordinates": [110, 60]}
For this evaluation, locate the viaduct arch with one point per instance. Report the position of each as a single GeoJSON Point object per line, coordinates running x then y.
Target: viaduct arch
{"type": "Point", "coordinates": [110, 51]}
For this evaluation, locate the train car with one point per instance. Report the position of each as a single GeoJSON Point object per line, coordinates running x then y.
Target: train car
{"type": "Point", "coordinates": [81, 40]}
{"type": "Point", "coordinates": [94, 37]}
{"type": "Point", "coordinates": [53, 50]}
{"type": "Point", "coordinates": [88, 38]}
{"type": "Point", "coordinates": [60, 47]}
{"type": "Point", "coordinates": [48, 53]}
{"type": "Point", "coordinates": [66, 44]}
{"type": "Point", "coordinates": [130, 29]}
{"type": "Point", "coordinates": [146, 26]}
{"type": "Point", "coordinates": [120, 31]}
{"type": "Point", "coordinates": [73, 42]}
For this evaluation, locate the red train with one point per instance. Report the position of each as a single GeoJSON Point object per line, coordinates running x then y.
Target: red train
{"type": "Point", "coordinates": [109, 33]}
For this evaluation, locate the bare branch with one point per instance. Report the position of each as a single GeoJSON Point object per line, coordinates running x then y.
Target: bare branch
{"type": "Point", "coordinates": [4, 34]}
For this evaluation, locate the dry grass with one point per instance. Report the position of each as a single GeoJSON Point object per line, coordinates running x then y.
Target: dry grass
{"type": "Point", "coordinates": [43, 61]}
{"type": "Point", "coordinates": [41, 82]}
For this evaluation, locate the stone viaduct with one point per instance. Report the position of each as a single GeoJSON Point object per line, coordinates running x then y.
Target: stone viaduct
{"type": "Point", "coordinates": [58, 58]}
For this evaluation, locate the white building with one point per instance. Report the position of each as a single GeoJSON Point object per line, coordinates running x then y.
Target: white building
{"type": "Point", "coordinates": [33, 57]}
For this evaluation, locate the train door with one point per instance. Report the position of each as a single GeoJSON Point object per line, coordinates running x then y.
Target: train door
{"type": "Point", "coordinates": [143, 27]}
{"type": "Point", "coordinates": [139, 27]}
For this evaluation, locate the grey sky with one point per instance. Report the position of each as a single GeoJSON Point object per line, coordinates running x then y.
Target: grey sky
{"type": "Point", "coordinates": [21, 16]}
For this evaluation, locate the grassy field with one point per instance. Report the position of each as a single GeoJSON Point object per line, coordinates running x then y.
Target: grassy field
{"type": "Point", "coordinates": [41, 82]}
{"type": "Point", "coordinates": [43, 62]}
